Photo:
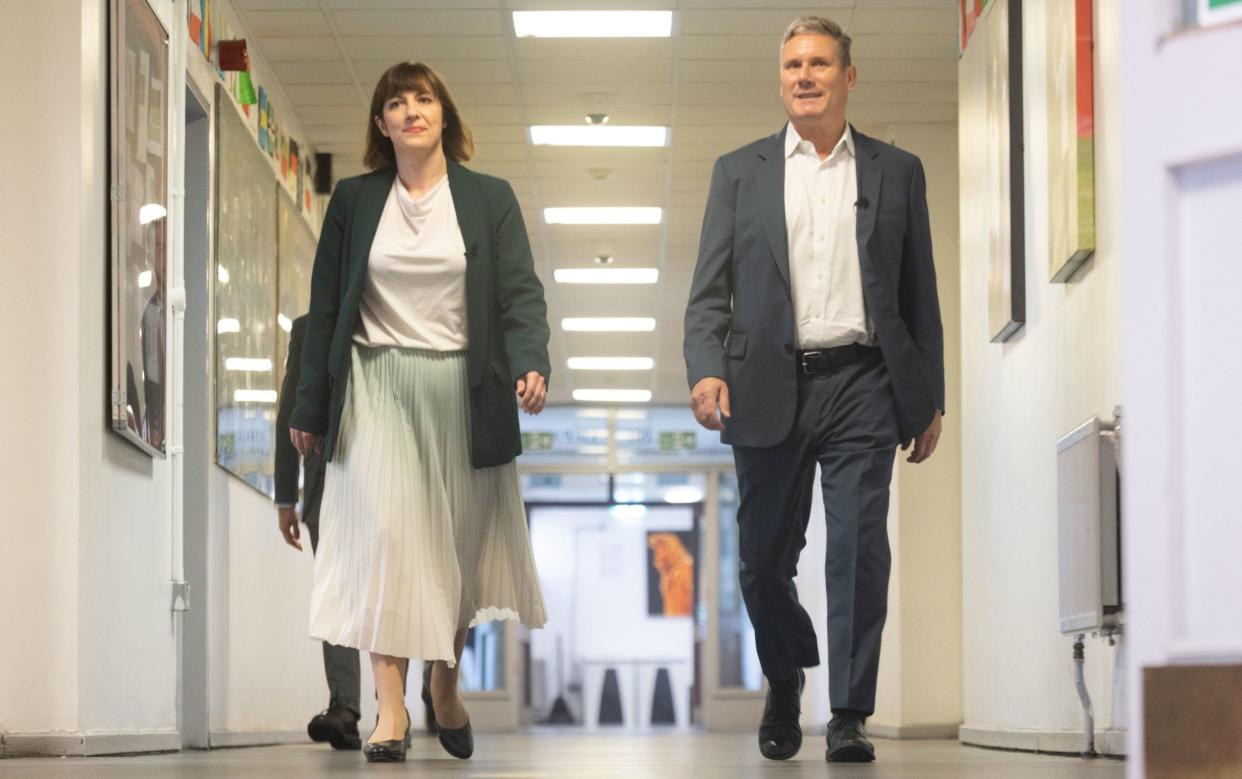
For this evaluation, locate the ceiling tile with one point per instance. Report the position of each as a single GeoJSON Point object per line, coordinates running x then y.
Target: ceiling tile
{"type": "Point", "coordinates": [401, 22]}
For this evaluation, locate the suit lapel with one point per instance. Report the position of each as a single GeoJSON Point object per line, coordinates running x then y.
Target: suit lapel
{"type": "Point", "coordinates": [771, 186]}
{"type": "Point", "coordinates": [472, 220]}
{"type": "Point", "coordinates": [866, 151]}
{"type": "Point", "coordinates": [371, 201]}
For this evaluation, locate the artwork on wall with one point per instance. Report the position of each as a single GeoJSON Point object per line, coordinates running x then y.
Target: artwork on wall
{"type": "Point", "coordinates": [991, 153]}
{"type": "Point", "coordinates": [295, 256]}
{"type": "Point", "coordinates": [138, 169]}
{"type": "Point", "coordinates": [245, 303]}
{"type": "Point", "coordinates": [1071, 137]}
{"type": "Point", "coordinates": [670, 573]}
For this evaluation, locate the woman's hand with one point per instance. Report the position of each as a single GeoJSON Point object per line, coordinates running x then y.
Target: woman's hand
{"type": "Point", "coordinates": [532, 391]}
{"type": "Point", "coordinates": [305, 442]}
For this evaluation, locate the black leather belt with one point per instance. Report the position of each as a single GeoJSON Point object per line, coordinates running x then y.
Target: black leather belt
{"type": "Point", "coordinates": [813, 361]}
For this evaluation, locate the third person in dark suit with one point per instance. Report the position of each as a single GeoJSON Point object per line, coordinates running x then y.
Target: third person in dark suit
{"type": "Point", "coordinates": [338, 724]}
{"type": "Point", "coordinates": [813, 336]}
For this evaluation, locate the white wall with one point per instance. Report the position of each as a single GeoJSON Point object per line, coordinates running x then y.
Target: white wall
{"type": "Point", "coordinates": [1017, 400]}
{"type": "Point", "coordinates": [90, 639]}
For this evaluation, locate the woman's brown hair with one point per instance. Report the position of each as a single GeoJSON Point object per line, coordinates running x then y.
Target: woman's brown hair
{"type": "Point", "coordinates": [414, 77]}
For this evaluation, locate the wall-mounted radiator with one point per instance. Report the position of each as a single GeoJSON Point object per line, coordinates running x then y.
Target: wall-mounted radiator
{"type": "Point", "coordinates": [1088, 519]}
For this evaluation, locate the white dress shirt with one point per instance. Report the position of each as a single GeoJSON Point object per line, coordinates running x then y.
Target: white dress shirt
{"type": "Point", "coordinates": [415, 290]}
{"type": "Point", "coordinates": [820, 220]}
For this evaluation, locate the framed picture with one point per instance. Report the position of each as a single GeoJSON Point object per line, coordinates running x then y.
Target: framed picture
{"type": "Point", "coordinates": [991, 153]}
{"type": "Point", "coordinates": [670, 573]}
{"type": "Point", "coordinates": [295, 257]}
{"type": "Point", "coordinates": [1071, 137]}
{"type": "Point", "coordinates": [245, 303]}
{"type": "Point", "coordinates": [138, 170]}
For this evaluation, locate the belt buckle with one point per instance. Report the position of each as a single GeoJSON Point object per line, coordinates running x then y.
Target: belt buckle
{"type": "Point", "coordinates": [813, 357]}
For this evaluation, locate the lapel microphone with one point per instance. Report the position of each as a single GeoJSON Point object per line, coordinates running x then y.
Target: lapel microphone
{"type": "Point", "coordinates": [862, 203]}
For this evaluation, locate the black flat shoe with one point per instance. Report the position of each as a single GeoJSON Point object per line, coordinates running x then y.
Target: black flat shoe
{"type": "Point", "coordinates": [847, 740]}
{"type": "Point", "coordinates": [458, 742]}
{"type": "Point", "coordinates": [336, 725]}
{"type": "Point", "coordinates": [391, 751]}
{"type": "Point", "coordinates": [780, 735]}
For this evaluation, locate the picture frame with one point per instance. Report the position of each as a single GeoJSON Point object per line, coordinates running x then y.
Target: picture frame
{"type": "Point", "coordinates": [1071, 136]}
{"type": "Point", "coordinates": [138, 80]}
{"type": "Point", "coordinates": [991, 153]}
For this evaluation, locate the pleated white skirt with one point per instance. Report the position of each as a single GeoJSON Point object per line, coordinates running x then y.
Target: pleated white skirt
{"type": "Point", "coordinates": [416, 544]}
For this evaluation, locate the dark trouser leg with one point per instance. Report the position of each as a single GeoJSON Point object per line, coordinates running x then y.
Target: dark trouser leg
{"type": "Point", "coordinates": [856, 458]}
{"type": "Point", "coordinates": [774, 485]}
{"type": "Point", "coordinates": [340, 663]}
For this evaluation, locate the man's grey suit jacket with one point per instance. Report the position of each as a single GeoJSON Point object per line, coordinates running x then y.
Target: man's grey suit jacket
{"type": "Point", "coordinates": [740, 322]}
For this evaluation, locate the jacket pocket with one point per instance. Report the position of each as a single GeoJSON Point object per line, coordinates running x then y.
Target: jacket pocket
{"type": "Point", "coordinates": [735, 345]}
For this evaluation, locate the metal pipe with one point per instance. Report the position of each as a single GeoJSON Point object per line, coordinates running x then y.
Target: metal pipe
{"type": "Point", "coordinates": [1088, 714]}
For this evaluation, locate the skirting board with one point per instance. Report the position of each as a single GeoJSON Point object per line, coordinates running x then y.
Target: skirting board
{"type": "Point", "coordinates": [1068, 742]}
{"type": "Point", "coordinates": [913, 732]}
{"type": "Point", "coordinates": [222, 739]}
{"type": "Point", "coordinates": [87, 744]}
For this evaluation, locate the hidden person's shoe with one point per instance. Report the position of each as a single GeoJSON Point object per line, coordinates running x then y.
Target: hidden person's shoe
{"type": "Point", "coordinates": [458, 742]}
{"type": "Point", "coordinates": [336, 725]}
{"type": "Point", "coordinates": [847, 740]}
{"type": "Point", "coordinates": [429, 711]}
{"type": "Point", "coordinates": [780, 735]}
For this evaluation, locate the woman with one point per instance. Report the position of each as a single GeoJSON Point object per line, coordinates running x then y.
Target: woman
{"type": "Point", "coordinates": [427, 327]}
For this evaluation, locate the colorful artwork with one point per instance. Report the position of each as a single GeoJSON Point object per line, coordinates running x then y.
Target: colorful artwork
{"type": "Point", "coordinates": [670, 573]}
{"type": "Point", "coordinates": [991, 159]}
{"type": "Point", "coordinates": [1071, 137]}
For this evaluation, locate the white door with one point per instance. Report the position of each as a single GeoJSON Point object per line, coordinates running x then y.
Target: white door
{"type": "Point", "coordinates": [1182, 527]}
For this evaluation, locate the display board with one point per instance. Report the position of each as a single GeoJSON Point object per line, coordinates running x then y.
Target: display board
{"type": "Point", "coordinates": [245, 303]}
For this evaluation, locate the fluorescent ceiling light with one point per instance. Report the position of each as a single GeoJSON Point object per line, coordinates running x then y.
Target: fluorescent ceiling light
{"type": "Point", "coordinates": [222, 273]}
{"type": "Point", "coordinates": [611, 363]}
{"type": "Point", "coordinates": [612, 396]}
{"type": "Point", "coordinates": [285, 323]}
{"type": "Point", "coordinates": [593, 450]}
{"type": "Point", "coordinates": [683, 494]}
{"type": "Point", "coordinates": [253, 364]}
{"type": "Point", "coordinates": [607, 215]}
{"type": "Point", "coordinates": [593, 24]}
{"type": "Point", "coordinates": [598, 135]}
{"type": "Point", "coordinates": [628, 435]}
{"type": "Point", "coordinates": [606, 324]}
{"type": "Point", "coordinates": [606, 275]}
{"type": "Point", "coordinates": [628, 511]}
{"type": "Point", "coordinates": [151, 212]}
{"type": "Point", "coordinates": [228, 326]}
{"type": "Point", "coordinates": [602, 413]}
{"type": "Point", "coordinates": [254, 396]}
{"type": "Point", "coordinates": [144, 279]}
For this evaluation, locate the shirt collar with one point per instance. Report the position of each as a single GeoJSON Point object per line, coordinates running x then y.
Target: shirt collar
{"type": "Point", "coordinates": [793, 142]}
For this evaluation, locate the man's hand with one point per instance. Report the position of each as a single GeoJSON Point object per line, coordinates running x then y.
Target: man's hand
{"type": "Point", "coordinates": [709, 400]}
{"type": "Point", "coordinates": [289, 526]}
{"type": "Point", "coordinates": [532, 390]}
{"type": "Point", "coordinates": [925, 443]}
{"type": "Point", "coordinates": [305, 442]}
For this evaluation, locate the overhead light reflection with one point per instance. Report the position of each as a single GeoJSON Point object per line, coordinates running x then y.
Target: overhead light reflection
{"type": "Point", "coordinates": [254, 396]}
{"type": "Point", "coordinates": [151, 212]}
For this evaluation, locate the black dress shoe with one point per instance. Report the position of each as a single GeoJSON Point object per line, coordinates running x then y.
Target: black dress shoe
{"type": "Point", "coordinates": [780, 735]}
{"type": "Point", "coordinates": [429, 711]}
{"type": "Point", "coordinates": [337, 725]}
{"type": "Point", "coordinates": [458, 742]}
{"type": "Point", "coordinates": [847, 740]}
{"type": "Point", "coordinates": [391, 751]}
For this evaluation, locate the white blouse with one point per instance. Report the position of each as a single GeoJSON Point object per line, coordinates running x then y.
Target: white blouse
{"type": "Point", "coordinates": [415, 290]}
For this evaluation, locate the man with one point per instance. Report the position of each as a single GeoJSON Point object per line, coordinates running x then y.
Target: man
{"type": "Point", "coordinates": [338, 724]}
{"type": "Point", "coordinates": [813, 335]}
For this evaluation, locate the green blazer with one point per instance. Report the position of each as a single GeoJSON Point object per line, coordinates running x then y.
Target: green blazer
{"type": "Point", "coordinates": [506, 313]}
